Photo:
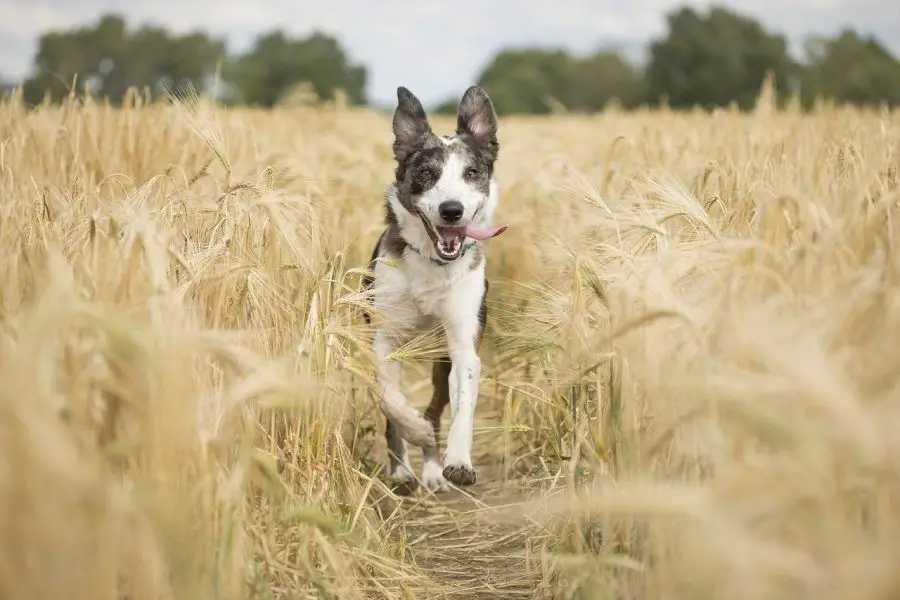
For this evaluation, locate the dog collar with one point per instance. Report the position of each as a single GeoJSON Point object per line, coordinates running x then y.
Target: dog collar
{"type": "Point", "coordinates": [465, 248]}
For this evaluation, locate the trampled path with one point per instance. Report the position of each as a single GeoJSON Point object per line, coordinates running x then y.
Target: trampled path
{"type": "Point", "coordinates": [475, 542]}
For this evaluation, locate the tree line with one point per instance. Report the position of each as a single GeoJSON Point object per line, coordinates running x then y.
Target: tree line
{"type": "Point", "coordinates": [706, 59]}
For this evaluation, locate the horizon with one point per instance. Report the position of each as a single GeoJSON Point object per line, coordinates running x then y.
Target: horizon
{"type": "Point", "coordinates": [451, 41]}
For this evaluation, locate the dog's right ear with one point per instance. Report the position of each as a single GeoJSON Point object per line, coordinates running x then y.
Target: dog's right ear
{"type": "Point", "coordinates": [410, 123]}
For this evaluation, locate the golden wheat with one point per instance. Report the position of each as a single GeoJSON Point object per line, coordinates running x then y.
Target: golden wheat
{"type": "Point", "coordinates": [689, 384]}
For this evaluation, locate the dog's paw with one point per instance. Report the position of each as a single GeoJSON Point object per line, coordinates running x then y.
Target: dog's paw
{"type": "Point", "coordinates": [433, 477]}
{"type": "Point", "coordinates": [460, 474]}
{"type": "Point", "coordinates": [401, 481]}
{"type": "Point", "coordinates": [403, 486]}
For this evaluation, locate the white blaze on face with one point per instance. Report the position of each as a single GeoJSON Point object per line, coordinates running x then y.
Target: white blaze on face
{"type": "Point", "coordinates": [452, 186]}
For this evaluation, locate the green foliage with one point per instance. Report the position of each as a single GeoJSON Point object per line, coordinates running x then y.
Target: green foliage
{"type": "Point", "coordinates": [533, 80]}
{"type": "Point", "coordinates": [851, 69]}
{"type": "Point", "coordinates": [715, 59]}
{"type": "Point", "coordinates": [524, 81]}
{"type": "Point", "coordinates": [277, 63]}
{"type": "Point", "coordinates": [109, 59]}
{"type": "Point", "coordinates": [706, 59]}
{"type": "Point", "coordinates": [603, 78]}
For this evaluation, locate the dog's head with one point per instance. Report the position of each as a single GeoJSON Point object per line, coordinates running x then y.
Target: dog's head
{"type": "Point", "coordinates": [445, 181]}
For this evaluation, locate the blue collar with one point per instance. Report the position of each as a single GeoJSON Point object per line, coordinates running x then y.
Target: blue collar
{"type": "Point", "coordinates": [466, 247]}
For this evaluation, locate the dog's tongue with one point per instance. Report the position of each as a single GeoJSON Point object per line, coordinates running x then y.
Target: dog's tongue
{"type": "Point", "coordinates": [481, 233]}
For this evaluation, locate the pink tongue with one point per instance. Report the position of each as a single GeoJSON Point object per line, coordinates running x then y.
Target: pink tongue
{"type": "Point", "coordinates": [481, 233]}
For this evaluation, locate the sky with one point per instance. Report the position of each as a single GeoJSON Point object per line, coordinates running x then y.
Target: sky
{"type": "Point", "coordinates": [434, 48]}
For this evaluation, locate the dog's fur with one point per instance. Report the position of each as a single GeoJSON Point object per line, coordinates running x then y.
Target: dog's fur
{"type": "Point", "coordinates": [418, 288]}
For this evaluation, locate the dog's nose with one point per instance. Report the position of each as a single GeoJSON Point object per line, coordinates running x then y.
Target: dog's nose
{"type": "Point", "coordinates": [451, 211]}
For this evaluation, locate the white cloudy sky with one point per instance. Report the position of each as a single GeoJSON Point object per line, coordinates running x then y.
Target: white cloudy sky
{"type": "Point", "coordinates": [435, 48]}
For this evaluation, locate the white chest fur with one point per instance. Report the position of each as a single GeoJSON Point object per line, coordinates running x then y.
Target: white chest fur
{"type": "Point", "coordinates": [413, 294]}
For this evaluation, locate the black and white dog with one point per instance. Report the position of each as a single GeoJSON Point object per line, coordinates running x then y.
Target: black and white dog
{"type": "Point", "coordinates": [438, 210]}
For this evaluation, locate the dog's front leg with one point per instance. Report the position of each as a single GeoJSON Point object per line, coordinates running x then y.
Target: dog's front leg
{"type": "Point", "coordinates": [461, 328]}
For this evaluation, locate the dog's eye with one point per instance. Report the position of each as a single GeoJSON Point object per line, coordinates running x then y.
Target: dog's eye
{"type": "Point", "coordinates": [471, 173]}
{"type": "Point", "coordinates": [426, 174]}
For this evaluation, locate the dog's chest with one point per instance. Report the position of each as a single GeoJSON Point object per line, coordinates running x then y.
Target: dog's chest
{"type": "Point", "coordinates": [430, 288]}
{"type": "Point", "coordinates": [413, 296]}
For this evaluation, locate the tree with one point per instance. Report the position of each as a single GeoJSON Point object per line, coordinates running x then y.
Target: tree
{"type": "Point", "coordinates": [850, 69]}
{"type": "Point", "coordinates": [109, 59]}
{"type": "Point", "coordinates": [532, 80]}
{"type": "Point", "coordinates": [600, 78]}
{"type": "Point", "coordinates": [715, 59]}
{"type": "Point", "coordinates": [277, 63]}
{"type": "Point", "coordinates": [525, 81]}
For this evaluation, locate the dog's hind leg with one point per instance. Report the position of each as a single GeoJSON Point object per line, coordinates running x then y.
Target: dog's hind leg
{"type": "Point", "coordinates": [432, 471]}
{"type": "Point", "coordinates": [401, 471]}
{"type": "Point", "coordinates": [404, 418]}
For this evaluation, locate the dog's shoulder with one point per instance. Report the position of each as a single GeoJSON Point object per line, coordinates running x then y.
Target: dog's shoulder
{"type": "Point", "coordinates": [390, 243]}
{"type": "Point", "coordinates": [368, 279]}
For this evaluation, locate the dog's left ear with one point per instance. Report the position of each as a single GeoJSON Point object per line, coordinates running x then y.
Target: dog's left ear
{"type": "Point", "coordinates": [477, 118]}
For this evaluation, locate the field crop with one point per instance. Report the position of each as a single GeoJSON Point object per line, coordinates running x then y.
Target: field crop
{"type": "Point", "coordinates": [690, 368]}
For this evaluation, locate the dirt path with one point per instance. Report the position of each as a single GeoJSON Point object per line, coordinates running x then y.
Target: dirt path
{"type": "Point", "coordinates": [475, 542]}
{"type": "Point", "coordinates": [471, 550]}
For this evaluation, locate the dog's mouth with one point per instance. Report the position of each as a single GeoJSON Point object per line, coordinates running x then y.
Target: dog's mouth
{"type": "Point", "coordinates": [448, 241]}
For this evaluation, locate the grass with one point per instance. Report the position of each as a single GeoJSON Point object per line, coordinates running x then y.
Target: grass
{"type": "Point", "coordinates": [690, 385]}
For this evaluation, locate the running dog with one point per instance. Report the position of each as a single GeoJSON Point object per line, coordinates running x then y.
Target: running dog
{"type": "Point", "coordinates": [429, 271]}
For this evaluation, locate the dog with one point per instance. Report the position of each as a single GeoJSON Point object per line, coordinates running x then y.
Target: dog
{"type": "Point", "coordinates": [429, 272]}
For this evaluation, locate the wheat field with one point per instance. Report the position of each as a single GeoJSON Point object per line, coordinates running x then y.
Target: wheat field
{"type": "Point", "coordinates": [688, 385]}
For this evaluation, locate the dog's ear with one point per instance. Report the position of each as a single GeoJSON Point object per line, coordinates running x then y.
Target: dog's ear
{"type": "Point", "coordinates": [410, 123]}
{"type": "Point", "coordinates": [477, 118]}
